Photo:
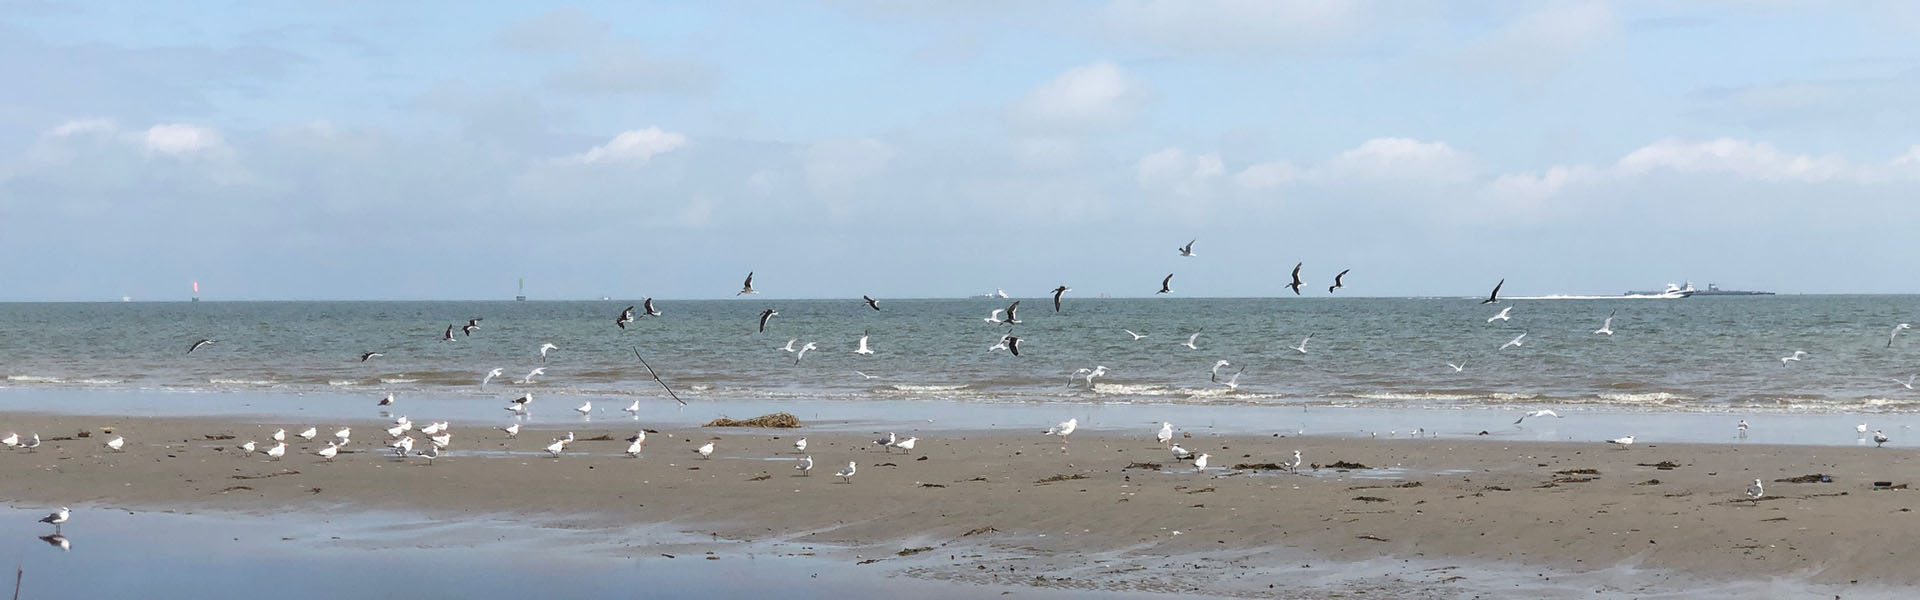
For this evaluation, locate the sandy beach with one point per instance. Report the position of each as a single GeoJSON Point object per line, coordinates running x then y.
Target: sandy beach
{"type": "Point", "coordinates": [1103, 510]}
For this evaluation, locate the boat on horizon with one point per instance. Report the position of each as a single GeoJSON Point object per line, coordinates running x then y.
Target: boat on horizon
{"type": "Point", "coordinates": [1688, 291]}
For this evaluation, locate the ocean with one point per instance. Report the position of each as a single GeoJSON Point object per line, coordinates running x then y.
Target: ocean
{"type": "Point", "coordinates": [1686, 355]}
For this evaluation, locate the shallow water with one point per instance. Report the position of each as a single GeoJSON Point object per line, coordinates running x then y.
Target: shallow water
{"type": "Point", "coordinates": [1679, 355]}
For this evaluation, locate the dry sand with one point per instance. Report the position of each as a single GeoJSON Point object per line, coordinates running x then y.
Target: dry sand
{"type": "Point", "coordinates": [1103, 511]}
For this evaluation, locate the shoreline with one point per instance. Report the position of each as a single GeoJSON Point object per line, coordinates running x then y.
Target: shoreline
{"type": "Point", "coordinates": [1029, 502]}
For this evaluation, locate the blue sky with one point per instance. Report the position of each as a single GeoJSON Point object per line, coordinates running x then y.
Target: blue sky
{"type": "Point", "coordinates": [442, 150]}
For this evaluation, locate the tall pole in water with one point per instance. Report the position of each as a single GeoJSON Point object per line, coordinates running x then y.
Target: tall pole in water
{"type": "Point", "coordinates": [522, 296]}
{"type": "Point", "coordinates": [196, 291]}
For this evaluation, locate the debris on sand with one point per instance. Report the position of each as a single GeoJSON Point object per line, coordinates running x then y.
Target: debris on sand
{"type": "Point", "coordinates": [779, 420]}
{"type": "Point", "coordinates": [1370, 499]}
{"type": "Point", "coordinates": [913, 551]}
{"type": "Point", "coordinates": [1055, 478]}
{"type": "Point", "coordinates": [1344, 465]}
{"type": "Point", "coordinates": [1578, 472]}
{"type": "Point", "coordinates": [1814, 478]}
{"type": "Point", "coordinates": [1665, 465]}
{"type": "Point", "coordinates": [979, 531]}
{"type": "Point", "coordinates": [1258, 467]}
{"type": "Point", "coordinates": [1149, 466]}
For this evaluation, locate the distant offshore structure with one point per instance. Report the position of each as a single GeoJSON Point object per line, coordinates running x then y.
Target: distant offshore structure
{"type": "Point", "coordinates": [196, 291]}
{"type": "Point", "coordinates": [1688, 291]}
{"type": "Point", "coordinates": [522, 295]}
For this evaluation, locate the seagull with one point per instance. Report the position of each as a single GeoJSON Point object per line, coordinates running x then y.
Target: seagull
{"type": "Point", "coordinates": [764, 315]}
{"type": "Point", "coordinates": [369, 354]}
{"type": "Point", "coordinates": [1296, 279]}
{"type": "Point", "coordinates": [117, 443]}
{"type": "Point", "coordinates": [1166, 285]}
{"type": "Point", "coordinates": [1515, 342]}
{"type": "Point", "coordinates": [430, 453]}
{"type": "Point", "coordinates": [1233, 383]}
{"type": "Point", "coordinates": [1505, 314]}
{"type": "Point", "coordinates": [448, 336]}
{"type": "Point", "coordinates": [705, 451]}
{"type": "Point", "coordinates": [995, 317]}
{"type": "Point", "coordinates": [647, 309]}
{"type": "Point", "coordinates": [1065, 428]}
{"type": "Point", "coordinates": [1797, 354]}
{"type": "Point", "coordinates": [1495, 296]}
{"type": "Point", "coordinates": [402, 447]}
{"type": "Point", "coordinates": [516, 408]}
{"type": "Point", "coordinates": [1294, 465]}
{"type": "Point", "coordinates": [490, 375]}
{"type": "Point", "coordinates": [1336, 281]}
{"type": "Point", "coordinates": [1213, 374]}
{"type": "Point", "coordinates": [32, 443]}
{"type": "Point", "coordinates": [1136, 336]}
{"type": "Point", "coordinates": [1180, 453]}
{"type": "Point", "coordinates": [1190, 340]}
{"type": "Point", "coordinates": [803, 352]}
{"type": "Point", "coordinates": [800, 445]}
{"type": "Point", "coordinates": [512, 430]}
{"type": "Point", "coordinates": [544, 348]}
{"type": "Point", "coordinates": [387, 401]}
{"type": "Point", "coordinates": [633, 449]}
{"type": "Point", "coordinates": [433, 428]}
{"type": "Point", "coordinates": [398, 430]}
{"type": "Point", "coordinates": [471, 325]}
{"type": "Point", "coordinates": [863, 349]}
{"type": "Point", "coordinates": [1860, 429]}
{"type": "Point", "coordinates": [886, 442]}
{"type": "Point", "coordinates": [1013, 312]}
{"type": "Point", "coordinates": [1879, 438]}
{"type": "Point", "coordinates": [1200, 462]}
{"type": "Point", "coordinates": [1606, 327]}
{"type": "Point", "coordinates": [12, 440]}
{"type": "Point", "coordinates": [1165, 434]}
{"type": "Point", "coordinates": [329, 452]}
{"type": "Point", "coordinates": [789, 346]}
{"type": "Point", "coordinates": [309, 434]}
{"type": "Point", "coordinates": [1457, 368]}
{"type": "Point", "coordinates": [1187, 250]}
{"type": "Point", "coordinates": [1908, 383]}
{"type": "Point", "coordinates": [585, 409]}
{"type": "Point", "coordinates": [1754, 492]}
{"type": "Point", "coordinates": [633, 408]}
{"type": "Point", "coordinates": [846, 475]}
{"type": "Point", "coordinates": [865, 376]}
{"type": "Point", "coordinates": [1302, 348]}
{"type": "Point", "coordinates": [1896, 332]}
{"type": "Point", "coordinates": [871, 303]}
{"type": "Point", "coordinates": [1001, 293]}
{"type": "Point", "coordinates": [558, 446]}
{"type": "Point", "coordinates": [344, 435]}
{"type": "Point", "coordinates": [907, 444]}
{"type": "Point", "coordinates": [1622, 442]}
{"type": "Point", "coordinates": [197, 345]}
{"type": "Point", "coordinates": [536, 372]}
{"type": "Point", "coordinates": [247, 448]}
{"type": "Point", "coordinates": [804, 466]}
{"type": "Point", "coordinates": [638, 437]}
{"type": "Point", "coordinates": [280, 435]}
{"type": "Point", "coordinates": [747, 288]}
{"type": "Point", "coordinates": [626, 316]}
{"type": "Point", "coordinates": [1098, 370]}
{"type": "Point", "coordinates": [278, 450]}
{"type": "Point", "coordinates": [1742, 427]}
{"type": "Point", "coordinates": [56, 518]}
{"type": "Point", "coordinates": [1008, 342]}
{"type": "Point", "coordinates": [1056, 296]}
{"type": "Point", "coordinates": [1540, 413]}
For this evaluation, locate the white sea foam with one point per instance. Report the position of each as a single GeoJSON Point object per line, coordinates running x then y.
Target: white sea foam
{"type": "Point", "coordinates": [35, 379]}
{"type": "Point", "coordinates": [219, 381]}
{"type": "Point", "coordinates": [338, 382]}
{"type": "Point", "coordinates": [928, 388]}
{"type": "Point", "coordinates": [397, 380]}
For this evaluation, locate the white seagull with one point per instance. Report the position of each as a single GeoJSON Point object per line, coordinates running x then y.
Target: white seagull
{"type": "Point", "coordinates": [12, 440]}
{"type": "Point", "coordinates": [1797, 355]}
{"type": "Point", "coordinates": [558, 446]}
{"type": "Point", "coordinates": [1908, 383]}
{"type": "Point", "coordinates": [1180, 453]}
{"type": "Point", "coordinates": [1065, 428]}
{"type": "Point", "coordinates": [863, 347]}
{"type": "Point", "coordinates": [116, 443]}
{"type": "Point", "coordinates": [343, 435]}
{"type": "Point", "coordinates": [803, 352]}
{"type": "Point", "coordinates": [789, 346]}
{"type": "Point", "coordinates": [512, 430]}
{"type": "Point", "coordinates": [532, 374]}
{"type": "Point", "coordinates": [1606, 327]}
{"type": "Point", "coordinates": [1503, 316]}
{"type": "Point", "coordinates": [585, 408]}
{"type": "Point", "coordinates": [633, 408]}
{"type": "Point", "coordinates": [329, 452]}
{"type": "Point", "coordinates": [995, 317]}
{"type": "Point", "coordinates": [1213, 374]}
{"type": "Point", "coordinates": [1294, 465]}
{"type": "Point", "coordinates": [1165, 434]}
{"type": "Point", "coordinates": [846, 475]}
{"type": "Point", "coordinates": [1515, 342]}
{"type": "Point", "coordinates": [1896, 332]}
{"type": "Point", "coordinates": [804, 466]}
{"type": "Point", "coordinates": [310, 433]}
{"type": "Point", "coordinates": [1190, 340]}
{"type": "Point", "coordinates": [1200, 462]}
{"type": "Point", "coordinates": [1458, 368]}
{"type": "Point", "coordinates": [247, 448]}
{"type": "Point", "coordinates": [1136, 336]}
{"type": "Point", "coordinates": [633, 449]}
{"type": "Point", "coordinates": [705, 451]}
{"type": "Point", "coordinates": [906, 444]}
{"type": "Point", "coordinates": [279, 435]}
{"type": "Point", "coordinates": [1860, 429]}
{"type": "Point", "coordinates": [402, 447]}
{"type": "Point", "coordinates": [800, 445]}
{"type": "Point", "coordinates": [489, 376]}
{"type": "Point", "coordinates": [544, 348]}
{"type": "Point", "coordinates": [1233, 383]}
{"type": "Point", "coordinates": [278, 450]}
{"type": "Point", "coordinates": [1879, 438]}
{"type": "Point", "coordinates": [1535, 414]}
{"type": "Point", "coordinates": [1622, 442]}
{"type": "Point", "coordinates": [1754, 492]}
{"type": "Point", "coordinates": [1302, 348]}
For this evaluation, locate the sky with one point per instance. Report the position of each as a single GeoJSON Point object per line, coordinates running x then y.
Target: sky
{"type": "Point", "coordinates": [444, 150]}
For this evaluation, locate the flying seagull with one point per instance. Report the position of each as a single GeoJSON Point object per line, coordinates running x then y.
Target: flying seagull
{"type": "Point", "coordinates": [197, 345]}
{"type": "Point", "coordinates": [1606, 327]}
{"type": "Point", "coordinates": [544, 348]}
{"type": "Point", "coordinates": [1458, 368]}
{"type": "Point", "coordinates": [1136, 336]}
{"type": "Point", "coordinates": [995, 317]}
{"type": "Point", "coordinates": [1013, 312]}
{"type": "Point", "coordinates": [1515, 342]}
{"type": "Point", "coordinates": [803, 352]}
{"type": "Point", "coordinates": [1056, 297]}
{"type": "Point", "coordinates": [1295, 286]}
{"type": "Point", "coordinates": [1190, 340]}
{"type": "Point", "coordinates": [626, 316]}
{"type": "Point", "coordinates": [1336, 281]}
{"type": "Point", "coordinates": [747, 288]}
{"type": "Point", "coordinates": [1495, 296]}
{"type": "Point", "coordinates": [471, 325]}
{"type": "Point", "coordinates": [764, 315]}
{"type": "Point", "coordinates": [490, 375]}
{"type": "Point", "coordinates": [366, 355]}
{"type": "Point", "coordinates": [448, 336]}
{"type": "Point", "coordinates": [1797, 355]}
{"type": "Point", "coordinates": [1537, 414]}
{"type": "Point", "coordinates": [1213, 374]}
{"type": "Point", "coordinates": [871, 303]}
{"type": "Point", "coordinates": [1896, 332]}
{"type": "Point", "coordinates": [1302, 348]}
{"type": "Point", "coordinates": [1013, 344]}
{"type": "Point", "coordinates": [1187, 250]}
{"type": "Point", "coordinates": [646, 308]}
{"type": "Point", "coordinates": [1505, 314]}
{"type": "Point", "coordinates": [1166, 285]}
{"type": "Point", "coordinates": [863, 347]}
{"type": "Point", "coordinates": [789, 346]}
{"type": "Point", "coordinates": [1908, 383]}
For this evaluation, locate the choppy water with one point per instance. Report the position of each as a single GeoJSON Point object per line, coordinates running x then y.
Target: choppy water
{"type": "Point", "coordinates": [1691, 354]}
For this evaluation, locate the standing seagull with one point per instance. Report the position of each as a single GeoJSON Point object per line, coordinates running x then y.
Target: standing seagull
{"type": "Point", "coordinates": [626, 316]}
{"type": "Point", "coordinates": [1165, 434]}
{"type": "Point", "coordinates": [706, 451]}
{"type": "Point", "coordinates": [1606, 327]}
{"type": "Point", "coordinates": [364, 355]}
{"type": "Point", "coordinates": [1166, 285]}
{"type": "Point", "coordinates": [1056, 296]}
{"type": "Point", "coordinates": [863, 349]}
{"type": "Point", "coordinates": [57, 517]}
{"type": "Point", "coordinates": [1295, 286]}
{"type": "Point", "coordinates": [1187, 250]}
{"type": "Point", "coordinates": [1622, 442]}
{"type": "Point", "coordinates": [1879, 438]}
{"type": "Point", "coordinates": [1336, 281]}
{"type": "Point", "coordinates": [585, 410]}
{"type": "Point", "coordinates": [117, 444]}
{"type": "Point", "coordinates": [805, 466]}
{"type": "Point", "coordinates": [1065, 428]}
{"type": "Point", "coordinates": [1200, 462]}
{"type": "Point", "coordinates": [387, 401]}
{"type": "Point", "coordinates": [1294, 465]}
{"type": "Point", "coordinates": [278, 450]}
{"type": "Point", "coordinates": [197, 345]}
{"type": "Point", "coordinates": [1515, 342]}
{"type": "Point", "coordinates": [747, 288]}
{"type": "Point", "coordinates": [871, 303]}
{"type": "Point", "coordinates": [1495, 296]}
{"type": "Point", "coordinates": [1505, 315]}
{"type": "Point", "coordinates": [544, 348]}
{"type": "Point", "coordinates": [1797, 355]}
{"type": "Point", "coordinates": [1896, 332]}
{"type": "Point", "coordinates": [846, 475]}
{"type": "Point", "coordinates": [764, 315]}
{"type": "Point", "coordinates": [1754, 492]}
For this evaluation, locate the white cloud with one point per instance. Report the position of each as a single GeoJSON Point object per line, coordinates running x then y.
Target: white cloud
{"type": "Point", "coordinates": [637, 146]}
{"type": "Point", "coordinates": [1267, 176]}
{"type": "Point", "coordinates": [82, 126]}
{"type": "Point", "coordinates": [1399, 159]}
{"type": "Point", "coordinates": [1746, 159]}
{"type": "Point", "coordinates": [1083, 99]}
{"type": "Point", "coordinates": [178, 139]}
{"type": "Point", "coordinates": [1181, 172]}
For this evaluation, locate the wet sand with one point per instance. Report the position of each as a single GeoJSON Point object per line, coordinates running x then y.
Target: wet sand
{"type": "Point", "coordinates": [1101, 511]}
